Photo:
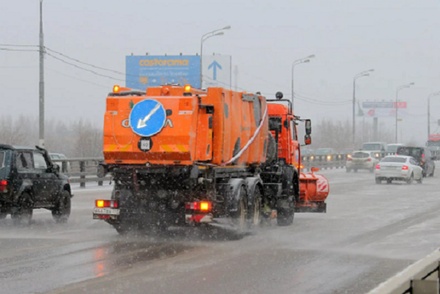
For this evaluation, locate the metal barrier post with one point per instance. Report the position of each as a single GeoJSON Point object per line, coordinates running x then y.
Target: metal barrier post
{"type": "Point", "coordinates": [100, 180]}
{"type": "Point", "coordinates": [82, 169]}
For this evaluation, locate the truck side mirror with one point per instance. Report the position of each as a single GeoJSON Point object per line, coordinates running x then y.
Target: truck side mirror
{"type": "Point", "coordinates": [308, 126]}
{"type": "Point", "coordinates": [307, 139]}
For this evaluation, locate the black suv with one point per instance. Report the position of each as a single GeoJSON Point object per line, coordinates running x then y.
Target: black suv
{"type": "Point", "coordinates": [29, 180]}
{"type": "Point", "coordinates": [422, 155]}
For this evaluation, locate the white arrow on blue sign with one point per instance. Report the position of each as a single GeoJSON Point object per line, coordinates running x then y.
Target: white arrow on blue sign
{"type": "Point", "coordinates": [214, 65]}
{"type": "Point", "coordinates": [147, 117]}
{"type": "Point", "coordinates": [216, 70]}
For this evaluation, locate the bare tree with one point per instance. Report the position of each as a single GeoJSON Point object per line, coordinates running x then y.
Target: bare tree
{"type": "Point", "coordinates": [18, 132]}
{"type": "Point", "coordinates": [77, 139]}
{"type": "Point", "coordinates": [337, 134]}
{"type": "Point", "coordinates": [88, 139]}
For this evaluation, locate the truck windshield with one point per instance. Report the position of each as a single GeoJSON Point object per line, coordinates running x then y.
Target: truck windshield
{"type": "Point", "coordinates": [275, 124]}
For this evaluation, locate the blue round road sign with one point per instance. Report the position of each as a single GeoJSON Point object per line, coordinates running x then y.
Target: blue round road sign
{"type": "Point", "coordinates": [147, 117]}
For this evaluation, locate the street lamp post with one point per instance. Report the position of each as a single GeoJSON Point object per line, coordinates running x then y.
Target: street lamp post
{"type": "Point", "coordinates": [41, 83]}
{"type": "Point", "coordinates": [204, 37]}
{"type": "Point", "coordinates": [359, 75]}
{"type": "Point", "coordinates": [429, 111]}
{"type": "Point", "coordinates": [396, 106]}
{"type": "Point", "coordinates": [299, 61]}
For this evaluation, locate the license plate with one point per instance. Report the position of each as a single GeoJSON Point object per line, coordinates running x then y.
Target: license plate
{"type": "Point", "coordinates": [109, 211]}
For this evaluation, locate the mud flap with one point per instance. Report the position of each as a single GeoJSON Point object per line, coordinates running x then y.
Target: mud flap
{"type": "Point", "coordinates": [311, 207]}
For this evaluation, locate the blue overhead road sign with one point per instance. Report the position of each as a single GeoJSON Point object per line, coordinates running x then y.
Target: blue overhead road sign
{"type": "Point", "coordinates": [217, 71]}
{"type": "Point", "coordinates": [147, 117]}
{"type": "Point", "coordinates": [146, 71]}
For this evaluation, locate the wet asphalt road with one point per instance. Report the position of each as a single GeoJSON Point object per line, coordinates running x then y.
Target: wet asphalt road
{"type": "Point", "coordinates": [369, 233]}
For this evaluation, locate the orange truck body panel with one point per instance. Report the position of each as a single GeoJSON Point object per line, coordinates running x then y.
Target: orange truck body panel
{"type": "Point", "coordinates": [313, 188]}
{"type": "Point", "coordinates": [191, 133]}
{"type": "Point", "coordinates": [286, 144]}
{"type": "Point", "coordinates": [287, 147]}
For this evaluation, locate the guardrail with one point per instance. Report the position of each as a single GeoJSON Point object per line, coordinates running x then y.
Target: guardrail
{"type": "Point", "coordinates": [327, 161]}
{"type": "Point", "coordinates": [81, 170]}
{"type": "Point", "coordinates": [422, 277]}
{"type": "Point", "coordinates": [84, 170]}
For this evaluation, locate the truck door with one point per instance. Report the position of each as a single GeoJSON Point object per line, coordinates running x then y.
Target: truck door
{"type": "Point", "coordinates": [294, 148]}
{"type": "Point", "coordinates": [204, 133]}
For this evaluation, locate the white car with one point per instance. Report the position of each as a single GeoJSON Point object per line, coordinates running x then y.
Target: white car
{"type": "Point", "coordinates": [361, 160]}
{"type": "Point", "coordinates": [392, 148]}
{"type": "Point", "coordinates": [379, 148]}
{"type": "Point", "coordinates": [56, 157]}
{"type": "Point", "coordinates": [398, 168]}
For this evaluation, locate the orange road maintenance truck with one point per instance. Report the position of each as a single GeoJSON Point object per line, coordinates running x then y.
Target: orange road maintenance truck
{"type": "Point", "coordinates": [185, 156]}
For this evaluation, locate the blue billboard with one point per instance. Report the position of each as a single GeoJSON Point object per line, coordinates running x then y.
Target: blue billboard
{"type": "Point", "coordinates": [145, 71]}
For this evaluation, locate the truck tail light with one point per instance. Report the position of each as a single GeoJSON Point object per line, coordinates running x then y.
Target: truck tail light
{"type": "Point", "coordinates": [405, 167]}
{"type": "Point", "coordinates": [3, 186]}
{"type": "Point", "coordinates": [201, 206]}
{"type": "Point", "coordinates": [101, 203]}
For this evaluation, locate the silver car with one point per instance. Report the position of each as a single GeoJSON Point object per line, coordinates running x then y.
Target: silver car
{"type": "Point", "coordinates": [361, 160]}
{"type": "Point", "coordinates": [57, 159]}
{"type": "Point", "coordinates": [398, 168]}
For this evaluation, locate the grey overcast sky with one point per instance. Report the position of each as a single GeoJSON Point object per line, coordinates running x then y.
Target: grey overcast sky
{"type": "Point", "coordinates": [400, 39]}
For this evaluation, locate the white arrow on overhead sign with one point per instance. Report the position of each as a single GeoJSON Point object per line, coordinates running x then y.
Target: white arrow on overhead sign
{"type": "Point", "coordinates": [142, 123]}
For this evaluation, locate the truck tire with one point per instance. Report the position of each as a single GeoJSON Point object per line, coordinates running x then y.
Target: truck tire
{"type": "Point", "coordinates": [285, 213]}
{"type": "Point", "coordinates": [410, 180]}
{"type": "Point", "coordinates": [122, 229]}
{"type": "Point", "coordinates": [62, 210]}
{"type": "Point", "coordinates": [130, 227]}
{"type": "Point", "coordinates": [255, 215]}
{"type": "Point", "coordinates": [3, 214]}
{"type": "Point", "coordinates": [285, 217]}
{"type": "Point", "coordinates": [239, 218]}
